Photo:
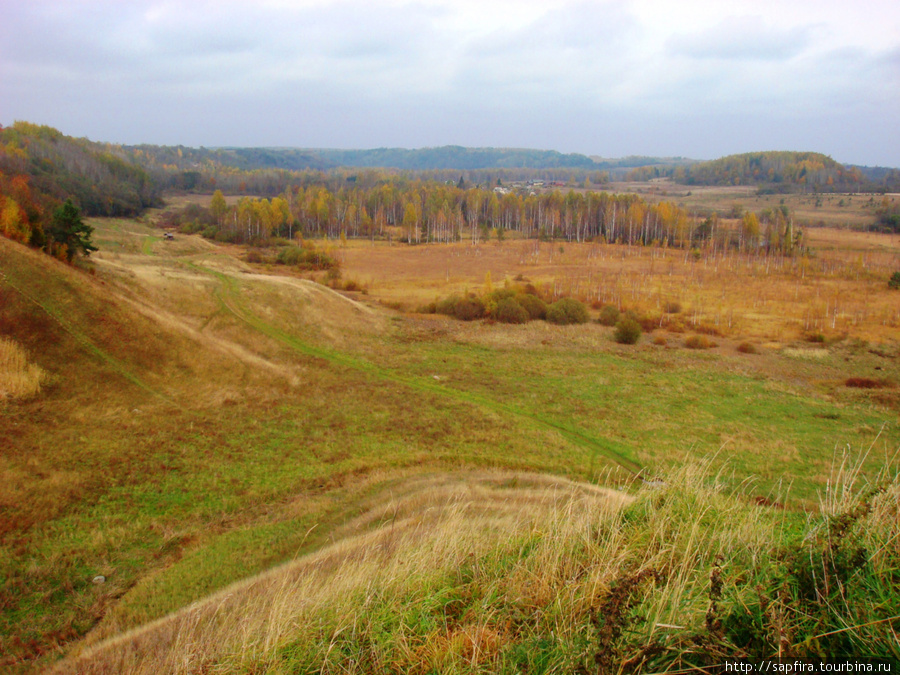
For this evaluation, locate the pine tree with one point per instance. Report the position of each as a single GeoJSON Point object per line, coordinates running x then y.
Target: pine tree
{"type": "Point", "coordinates": [69, 230]}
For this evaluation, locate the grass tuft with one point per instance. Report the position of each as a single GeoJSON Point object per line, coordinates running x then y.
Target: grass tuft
{"type": "Point", "coordinates": [19, 379]}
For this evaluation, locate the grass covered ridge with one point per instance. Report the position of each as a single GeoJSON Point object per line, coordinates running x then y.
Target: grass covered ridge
{"type": "Point", "coordinates": [500, 572]}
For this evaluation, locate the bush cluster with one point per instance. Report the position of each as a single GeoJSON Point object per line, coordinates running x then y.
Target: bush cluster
{"type": "Point", "coordinates": [306, 257]}
{"type": "Point", "coordinates": [510, 311]}
{"type": "Point", "coordinates": [567, 311]}
{"type": "Point", "coordinates": [699, 342]}
{"type": "Point", "coordinates": [609, 315]}
{"type": "Point", "coordinates": [628, 330]}
{"type": "Point", "coordinates": [509, 305]}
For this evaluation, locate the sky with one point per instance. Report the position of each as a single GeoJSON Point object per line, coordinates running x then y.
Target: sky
{"type": "Point", "coordinates": [699, 79]}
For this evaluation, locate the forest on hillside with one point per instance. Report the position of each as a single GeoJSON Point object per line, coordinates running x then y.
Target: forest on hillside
{"type": "Point", "coordinates": [453, 157]}
{"type": "Point", "coordinates": [777, 172]}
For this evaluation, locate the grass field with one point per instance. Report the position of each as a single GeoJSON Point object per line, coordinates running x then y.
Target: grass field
{"type": "Point", "coordinates": [840, 290]}
{"type": "Point", "coordinates": [201, 421]}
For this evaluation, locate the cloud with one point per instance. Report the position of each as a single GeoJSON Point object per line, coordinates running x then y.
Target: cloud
{"type": "Point", "coordinates": [576, 75]}
{"type": "Point", "coordinates": [742, 38]}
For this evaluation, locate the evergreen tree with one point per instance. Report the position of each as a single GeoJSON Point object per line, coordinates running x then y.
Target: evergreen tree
{"type": "Point", "coordinates": [68, 229]}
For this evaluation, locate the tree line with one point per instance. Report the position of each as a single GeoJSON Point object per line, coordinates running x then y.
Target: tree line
{"type": "Point", "coordinates": [420, 212]}
{"type": "Point", "coordinates": [40, 168]}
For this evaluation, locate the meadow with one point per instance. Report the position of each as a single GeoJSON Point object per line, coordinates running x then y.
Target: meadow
{"type": "Point", "coordinates": [838, 289]}
{"type": "Point", "coordinates": [424, 494]}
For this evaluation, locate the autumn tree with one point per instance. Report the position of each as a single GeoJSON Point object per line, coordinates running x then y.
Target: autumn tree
{"type": "Point", "coordinates": [749, 230]}
{"type": "Point", "coordinates": [218, 207]}
{"type": "Point", "coordinates": [12, 221]}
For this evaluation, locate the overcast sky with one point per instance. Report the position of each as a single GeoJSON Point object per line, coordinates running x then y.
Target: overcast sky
{"type": "Point", "coordinates": [696, 79]}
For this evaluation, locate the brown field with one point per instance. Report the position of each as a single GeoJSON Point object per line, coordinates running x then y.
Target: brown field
{"type": "Point", "coordinates": [840, 289]}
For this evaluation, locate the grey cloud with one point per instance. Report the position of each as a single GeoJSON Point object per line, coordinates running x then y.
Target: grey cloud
{"type": "Point", "coordinates": [567, 54]}
{"type": "Point", "coordinates": [742, 38]}
{"type": "Point", "coordinates": [585, 27]}
{"type": "Point", "coordinates": [132, 40]}
{"type": "Point", "coordinates": [583, 77]}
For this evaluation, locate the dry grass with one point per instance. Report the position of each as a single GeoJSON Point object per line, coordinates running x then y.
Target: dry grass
{"type": "Point", "coordinates": [840, 290]}
{"type": "Point", "coordinates": [18, 378]}
{"type": "Point", "coordinates": [502, 572]}
{"type": "Point", "coordinates": [409, 539]}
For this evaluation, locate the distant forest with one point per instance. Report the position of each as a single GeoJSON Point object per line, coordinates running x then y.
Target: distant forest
{"type": "Point", "coordinates": [777, 171]}
{"type": "Point", "coordinates": [452, 157]}
{"type": "Point", "coordinates": [40, 168]}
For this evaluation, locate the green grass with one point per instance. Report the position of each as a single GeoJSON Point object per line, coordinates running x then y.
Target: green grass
{"type": "Point", "coordinates": [175, 470]}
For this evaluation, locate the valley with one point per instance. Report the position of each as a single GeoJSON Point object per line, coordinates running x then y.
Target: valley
{"type": "Point", "coordinates": [206, 420]}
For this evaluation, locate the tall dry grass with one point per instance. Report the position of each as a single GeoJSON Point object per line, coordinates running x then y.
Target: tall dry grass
{"type": "Point", "coordinates": [507, 573]}
{"type": "Point", "coordinates": [18, 378]}
{"type": "Point", "coordinates": [383, 598]}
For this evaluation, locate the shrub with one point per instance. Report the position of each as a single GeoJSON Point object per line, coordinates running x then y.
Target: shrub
{"type": "Point", "coordinates": [193, 227]}
{"type": "Point", "coordinates": [567, 311]}
{"type": "Point", "coordinates": [699, 342]}
{"type": "Point", "coordinates": [609, 315]}
{"type": "Point", "coordinates": [660, 340]}
{"type": "Point", "coordinates": [469, 309]}
{"type": "Point", "coordinates": [306, 257]}
{"type": "Point", "coordinates": [510, 311]}
{"type": "Point", "coordinates": [289, 255]}
{"type": "Point", "coordinates": [628, 331]}
{"type": "Point", "coordinates": [447, 305]}
{"type": "Point", "coordinates": [503, 293]}
{"type": "Point", "coordinates": [223, 237]}
{"type": "Point", "coordinates": [536, 308]}
{"type": "Point", "coordinates": [894, 281]}
{"type": "Point", "coordinates": [747, 348]}
{"type": "Point", "coordinates": [333, 277]}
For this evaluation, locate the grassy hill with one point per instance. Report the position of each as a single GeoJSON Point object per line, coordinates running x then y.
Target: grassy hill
{"type": "Point", "coordinates": [471, 499]}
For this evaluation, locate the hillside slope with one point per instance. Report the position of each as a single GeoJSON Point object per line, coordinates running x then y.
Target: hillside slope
{"type": "Point", "coordinates": [206, 420]}
{"type": "Point", "coordinates": [190, 405]}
